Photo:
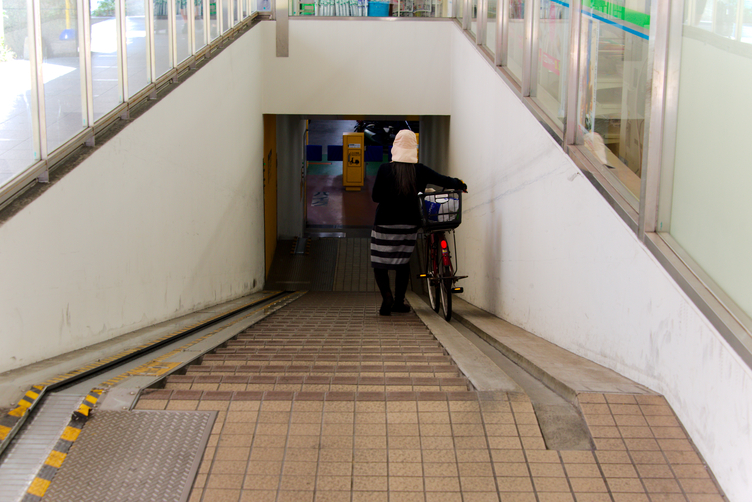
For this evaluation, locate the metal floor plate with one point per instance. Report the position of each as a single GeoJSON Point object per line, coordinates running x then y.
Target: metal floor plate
{"type": "Point", "coordinates": [134, 456]}
{"type": "Point", "coordinates": [29, 449]}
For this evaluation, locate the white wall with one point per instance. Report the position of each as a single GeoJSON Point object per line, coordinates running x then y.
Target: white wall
{"type": "Point", "coordinates": [546, 252]}
{"type": "Point", "coordinates": [290, 192]}
{"type": "Point", "coordinates": [164, 219]}
{"type": "Point", "coordinates": [368, 67]}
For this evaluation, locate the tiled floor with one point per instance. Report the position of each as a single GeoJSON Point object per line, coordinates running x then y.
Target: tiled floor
{"type": "Point", "coordinates": [327, 401]}
{"type": "Point", "coordinates": [342, 208]}
{"type": "Point", "coordinates": [354, 272]}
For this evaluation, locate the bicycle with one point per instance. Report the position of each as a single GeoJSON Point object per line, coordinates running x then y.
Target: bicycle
{"type": "Point", "coordinates": [440, 212]}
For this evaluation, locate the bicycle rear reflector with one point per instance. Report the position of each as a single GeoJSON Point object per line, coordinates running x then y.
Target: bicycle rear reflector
{"type": "Point", "coordinates": [443, 244]}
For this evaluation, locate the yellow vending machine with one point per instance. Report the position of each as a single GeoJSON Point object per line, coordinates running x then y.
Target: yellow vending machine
{"type": "Point", "coordinates": [353, 161]}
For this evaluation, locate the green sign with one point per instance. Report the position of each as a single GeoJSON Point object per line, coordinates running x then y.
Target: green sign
{"type": "Point", "coordinates": [618, 12]}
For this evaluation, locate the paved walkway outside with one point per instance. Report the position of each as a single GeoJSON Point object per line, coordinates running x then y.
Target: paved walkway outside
{"type": "Point", "coordinates": [327, 401]}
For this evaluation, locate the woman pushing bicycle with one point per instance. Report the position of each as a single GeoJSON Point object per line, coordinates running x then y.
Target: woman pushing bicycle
{"type": "Point", "coordinates": [398, 216]}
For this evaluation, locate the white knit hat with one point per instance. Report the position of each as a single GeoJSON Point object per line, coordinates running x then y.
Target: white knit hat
{"type": "Point", "coordinates": [405, 148]}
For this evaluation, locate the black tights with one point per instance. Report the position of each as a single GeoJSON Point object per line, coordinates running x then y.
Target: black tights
{"type": "Point", "coordinates": [400, 283]}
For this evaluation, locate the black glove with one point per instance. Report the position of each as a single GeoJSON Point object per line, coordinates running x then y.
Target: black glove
{"type": "Point", "coordinates": [463, 186]}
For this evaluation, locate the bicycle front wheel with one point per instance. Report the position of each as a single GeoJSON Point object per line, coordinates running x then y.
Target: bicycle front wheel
{"type": "Point", "coordinates": [445, 288]}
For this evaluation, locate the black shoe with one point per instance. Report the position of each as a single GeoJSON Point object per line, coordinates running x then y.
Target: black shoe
{"type": "Point", "coordinates": [386, 308]}
{"type": "Point", "coordinates": [400, 307]}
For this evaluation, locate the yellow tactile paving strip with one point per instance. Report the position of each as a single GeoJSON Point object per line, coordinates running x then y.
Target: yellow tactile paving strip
{"type": "Point", "coordinates": [419, 443]}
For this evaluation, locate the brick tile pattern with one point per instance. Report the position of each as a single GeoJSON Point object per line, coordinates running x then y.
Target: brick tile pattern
{"type": "Point", "coordinates": [644, 452]}
{"type": "Point", "coordinates": [327, 401]}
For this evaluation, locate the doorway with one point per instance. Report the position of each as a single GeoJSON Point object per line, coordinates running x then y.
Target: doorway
{"type": "Point", "coordinates": [323, 230]}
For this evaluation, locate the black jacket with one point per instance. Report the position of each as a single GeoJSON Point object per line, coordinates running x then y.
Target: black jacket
{"type": "Point", "coordinates": [395, 209]}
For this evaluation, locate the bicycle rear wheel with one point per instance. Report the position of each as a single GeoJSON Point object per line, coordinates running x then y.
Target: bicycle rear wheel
{"type": "Point", "coordinates": [432, 271]}
{"type": "Point", "coordinates": [434, 293]}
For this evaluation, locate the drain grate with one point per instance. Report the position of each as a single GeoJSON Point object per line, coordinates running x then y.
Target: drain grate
{"type": "Point", "coordinates": [134, 455]}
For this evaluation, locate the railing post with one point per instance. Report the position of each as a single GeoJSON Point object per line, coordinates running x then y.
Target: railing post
{"type": "Point", "coordinates": [151, 59]}
{"type": "Point", "coordinates": [172, 34]}
{"type": "Point", "coordinates": [191, 13]}
{"type": "Point", "coordinates": [502, 36]}
{"type": "Point", "coordinates": [122, 60]}
{"type": "Point", "coordinates": [84, 53]}
{"type": "Point", "coordinates": [207, 21]}
{"type": "Point", "coordinates": [654, 110]}
{"type": "Point", "coordinates": [36, 58]}
{"type": "Point", "coordinates": [483, 23]}
{"type": "Point", "coordinates": [573, 73]}
{"type": "Point", "coordinates": [527, 49]}
{"type": "Point", "coordinates": [534, 46]}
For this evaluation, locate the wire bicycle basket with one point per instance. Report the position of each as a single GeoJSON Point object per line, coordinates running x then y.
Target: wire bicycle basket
{"type": "Point", "coordinates": [441, 210]}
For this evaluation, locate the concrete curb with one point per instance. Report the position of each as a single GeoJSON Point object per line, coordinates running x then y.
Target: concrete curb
{"type": "Point", "coordinates": [536, 355]}
{"type": "Point", "coordinates": [479, 369]}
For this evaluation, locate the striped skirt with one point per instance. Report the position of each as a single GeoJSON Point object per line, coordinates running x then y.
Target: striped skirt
{"type": "Point", "coordinates": [392, 245]}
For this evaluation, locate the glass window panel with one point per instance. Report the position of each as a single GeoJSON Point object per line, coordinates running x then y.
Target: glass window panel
{"type": "Point", "coordinates": [516, 36]}
{"type": "Point", "coordinates": [613, 89]}
{"type": "Point", "coordinates": [235, 12]}
{"type": "Point", "coordinates": [460, 6]}
{"type": "Point", "coordinates": [226, 15]}
{"type": "Point", "coordinates": [724, 21]}
{"type": "Point", "coordinates": [727, 18]}
{"type": "Point", "coordinates": [474, 17]}
{"type": "Point", "coordinates": [710, 202]}
{"type": "Point", "coordinates": [199, 35]}
{"type": "Point", "coordinates": [61, 71]}
{"type": "Point", "coordinates": [214, 20]}
{"type": "Point", "coordinates": [161, 38]}
{"type": "Point", "coordinates": [135, 31]}
{"type": "Point", "coordinates": [427, 8]}
{"type": "Point", "coordinates": [104, 68]}
{"type": "Point", "coordinates": [16, 145]}
{"type": "Point", "coordinates": [549, 88]}
{"type": "Point", "coordinates": [182, 38]}
{"type": "Point", "coordinates": [703, 13]}
{"type": "Point", "coordinates": [490, 41]}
